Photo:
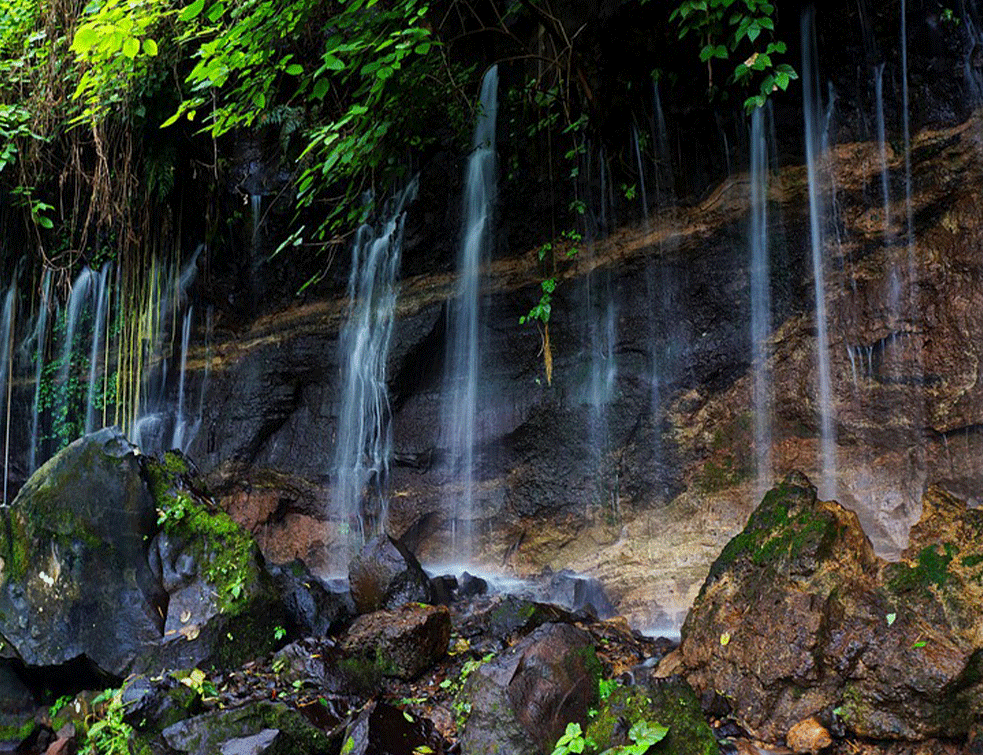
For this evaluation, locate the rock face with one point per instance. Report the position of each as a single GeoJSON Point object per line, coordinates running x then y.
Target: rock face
{"type": "Point", "coordinates": [521, 701]}
{"type": "Point", "coordinates": [798, 619]}
{"type": "Point", "coordinates": [75, 575]}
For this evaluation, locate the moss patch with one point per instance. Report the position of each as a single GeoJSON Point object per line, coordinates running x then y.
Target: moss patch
{"type": "Point", "coordinates": [668, 702]}
{"type": "Point", "coordinates": [224, 551]}
{"type": "Point", "coordinates": [784, 527]}
{"type": "Point", "coordinates": [931, 570]}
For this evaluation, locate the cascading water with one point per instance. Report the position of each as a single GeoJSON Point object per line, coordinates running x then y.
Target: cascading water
{"type": "Point", "coordinates": [35, 347]}
{"type": "Point", "coordinates": [364, 441]}
{"type": "Point", "coordinates": [760, 303]}
{"type": "Point", "coordinates": [464, 322]}
{"type": "Point", "coordinates": [162, 422]}
{"type": "Point", "coordinates": [101, 301]}
{"type": "Point", "coordinates": [818, 217]}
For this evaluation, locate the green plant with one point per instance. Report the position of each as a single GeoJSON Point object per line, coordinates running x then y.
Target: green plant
{"type": "Point", "coordinates": [572, 740]}
{"type": "Point", "coordinates": [58, 705]}
{"type": "Point", "coordinates": [725, 26]}
{"type": "Point", "coordinates": [109, 734]}
{"type": "Point", "coordinates": [279, 632]}
{"type": "Point", "coordinates": [643, 735]}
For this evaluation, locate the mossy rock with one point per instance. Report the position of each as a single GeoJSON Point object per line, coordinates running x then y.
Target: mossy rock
{"type": "Point", "coordinates": [669, 702]}
{"type": "Point", "coordinates": [223, 607]}
{"type": "Point", "coordinates": [74, 577]}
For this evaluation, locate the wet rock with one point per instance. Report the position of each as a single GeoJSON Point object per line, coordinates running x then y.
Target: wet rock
{"type": "Point", "coordinates": [386, 575]}
{"type": "Point", "coordinates": [798, 618]}
{"type": "Point", "coordinates": [401, 643]}
{"type": "Point", "coordinates": [381, 729]}
{"type": "Point", "coordinates": [266, 742]}
{"type": "Point", "coordinates": [207, 733]}
{"type": "Point", "coordinates": [578, 593]}
{"type": "Point", "coordinates": [808, 736]}
{"type": "Point", "coordinates": [75, 579]}
{"type": "Point", "coordinates": [16, 700]}
{"type": "Point", "coordinates": [521, 701]}
{"type": "Point", "coordinates": [303, 661]}
{"type": "Point", "coordinates": [443, 589]}
{"type": "Point", "coordinates": [313, 610]}
{"type": "Point", "coordinates": [513, 616]}
{"type": "Point", "coordinates": [470, 586]}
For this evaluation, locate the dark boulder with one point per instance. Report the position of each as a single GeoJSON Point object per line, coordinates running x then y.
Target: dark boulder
{"type": "Point", "coordinates": [313, 610]}
{"type": "Point", "coordinates": [521, 701]}
{"type": "Point", "coordinates": [111, 562]}
{"type": "Point", "coordinates": [74, 579]}
{"type": "Point", "coordinates": [386, 575]}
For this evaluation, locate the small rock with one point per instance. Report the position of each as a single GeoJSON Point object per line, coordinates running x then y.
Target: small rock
{"type": "Point", "coordinates": [386, 575]}
{"type": "Point", "coordinates": [521, 701]}
{"type": "Point", "coordinates": [808, 736]}
{"type": "Point", "coordinates": [471, 586]}
{"type": "Point", "coordinates": [263, 743]}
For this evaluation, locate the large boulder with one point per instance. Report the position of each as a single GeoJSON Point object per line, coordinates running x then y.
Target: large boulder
{"type": "Point", "coordinates": [111, 560]}
{"type": "Point", "coordinates": [521, 701]}
{"type": "Point", "coordinates": [74, 577]}
{"type": "Point", "coordinates": [799, 620]}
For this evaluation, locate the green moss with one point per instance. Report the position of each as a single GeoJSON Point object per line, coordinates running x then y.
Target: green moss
{"type": "Point", "coordinates": [668, 702]}
{"type": "Point", "coordinates": [16, 733]}
{"type": "Point", "coordinates": [931, 570]}
{"type": "Point", "coordinates": [731, 462]}
{"type": "Point", "coordinates": [780, 530]}
{"type": "Point", "coordinates": [971, 561]}
{"type": "Point", "coordinates": [225, 552]}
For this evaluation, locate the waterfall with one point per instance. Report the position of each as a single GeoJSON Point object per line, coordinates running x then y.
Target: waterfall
{"type": "Point", "coordinates": [760, 303]}
{"type": "Point", "coordinates": [364, 441]}
{"type": "Point", "coordinates": [36, 348]}
{"type": "Point", "coordinates": [7, 315]}
{"type": "Point", "coordinates": [641, 172]}
{"type": "Point", "coordinates": [101, 300]}
{"type": "Point", "coordinates": [464, 323]}
{"type": "Point", "coordinates": [161, 422]}
{"type": "Point", "coordinates": [812, 107]}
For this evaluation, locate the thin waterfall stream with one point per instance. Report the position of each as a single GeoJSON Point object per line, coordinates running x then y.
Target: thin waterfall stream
{"type": "Point", "coordinates": [464, 322]}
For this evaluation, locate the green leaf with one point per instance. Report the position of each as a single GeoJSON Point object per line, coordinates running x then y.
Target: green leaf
{"type": "Point", "coordinates": [321, 87]}
{"type": "Point", "coordinates": [192, 11]}
{"type": "Point", "coordinates": [85, 38]}
{"type": "Point", "coordinates": [131, 46]}
{"type": "Point", "coordinates": [295, 70]}
{"type": "Point", "coordinates": [332, 63]}
{"type": "Point", "coordinates": [215, 12]}
{"type": "Point", "coordinates": [150, 48]}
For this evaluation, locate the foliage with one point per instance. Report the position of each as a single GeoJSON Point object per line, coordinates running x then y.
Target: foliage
{"type": "Point", "coordinates": [109, 734]}
{"type": "Point", "coordinates": [724, 26]}
{"type": "Point", "coordinates": [643, 735]}
{"type": "Point", "coordinates": [571, 741]}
